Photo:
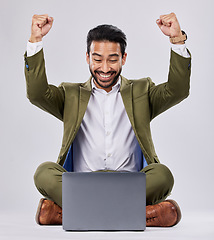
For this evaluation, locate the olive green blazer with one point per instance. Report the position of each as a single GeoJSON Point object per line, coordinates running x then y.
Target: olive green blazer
{"type": "Point", "coordinates": [143, 100]}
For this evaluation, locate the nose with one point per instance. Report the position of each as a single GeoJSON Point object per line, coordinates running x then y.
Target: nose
{"type": "Point", "coordinates": [105, 67]}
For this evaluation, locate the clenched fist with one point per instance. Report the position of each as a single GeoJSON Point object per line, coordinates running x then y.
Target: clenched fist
{"type": "Point", "coordinates": [169, 25]}
{"type": "Point", "coordinates": [41, 25]}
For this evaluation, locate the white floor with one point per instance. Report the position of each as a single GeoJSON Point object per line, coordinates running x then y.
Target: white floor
{"type": "Point", "coordinates": [192, 226]}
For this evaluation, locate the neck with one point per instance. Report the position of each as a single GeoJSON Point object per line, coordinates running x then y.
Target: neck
{"type": "Point", "coordinates": [107, 89]}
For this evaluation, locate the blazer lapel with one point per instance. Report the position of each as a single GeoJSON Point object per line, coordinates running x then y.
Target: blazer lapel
{"type": "Point", "coordinates": [126, 93]}
{"type": "Point", "coordinates": [85, 93]}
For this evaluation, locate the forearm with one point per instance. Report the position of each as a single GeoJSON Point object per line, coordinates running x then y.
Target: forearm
{"type": "Point", "coordinates": [179, 75]}
{"type": "Point", "coordinates": [168, 94]}
{"type": "Point", "coordinates": [35, 76]}
{"type": "Point", "coordinates": [39, 92]}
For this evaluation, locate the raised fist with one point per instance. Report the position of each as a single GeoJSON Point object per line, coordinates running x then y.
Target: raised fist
{"type": "Point", "coordinates": [41, 25]}
{"type": "Point", "coordinates": [169, 25]}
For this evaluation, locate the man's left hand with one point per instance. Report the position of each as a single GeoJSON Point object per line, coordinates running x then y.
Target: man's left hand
{"type": "Point", "coordinates": [169, 25]}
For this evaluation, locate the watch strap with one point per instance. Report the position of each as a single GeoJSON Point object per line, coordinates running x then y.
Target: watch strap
{"type": "Point", "coordinates": [182, 38]}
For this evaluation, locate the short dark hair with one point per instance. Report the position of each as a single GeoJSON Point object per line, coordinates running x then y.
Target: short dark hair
{"type": "Point", "coordinates": [106, 32]}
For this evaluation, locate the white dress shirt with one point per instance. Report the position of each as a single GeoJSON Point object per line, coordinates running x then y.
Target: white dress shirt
{"type": "Point", "coordinates": [106, 140]}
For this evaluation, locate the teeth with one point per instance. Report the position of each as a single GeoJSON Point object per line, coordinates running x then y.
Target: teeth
{"type": "Point", "coordinates": [105, 76]}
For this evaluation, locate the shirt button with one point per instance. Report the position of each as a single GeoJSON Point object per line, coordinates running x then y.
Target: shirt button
{"type": "Point", "coordinates": [108, 133]}
{"type": "Point", "coordinates": [109, 155]}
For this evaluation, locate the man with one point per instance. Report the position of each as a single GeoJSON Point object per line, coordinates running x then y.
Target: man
{"type": "Point", "coordinates": [107, 119]}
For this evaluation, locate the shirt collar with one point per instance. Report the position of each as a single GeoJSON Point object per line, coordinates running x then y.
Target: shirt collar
{"type": "Point", "coordinates": [115, 87]}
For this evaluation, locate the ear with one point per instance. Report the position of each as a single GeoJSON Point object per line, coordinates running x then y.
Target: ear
{"type": "Point", "coordinates": [87, 58]}
{"type": "Point", "coordinates": [124, 58]}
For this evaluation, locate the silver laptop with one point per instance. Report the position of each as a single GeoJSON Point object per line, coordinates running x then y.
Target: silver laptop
{"type": "Point", "coordinates": [97, 201]}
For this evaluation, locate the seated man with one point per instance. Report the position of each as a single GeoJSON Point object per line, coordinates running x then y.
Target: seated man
{"type": "Point", "coordinates": [107, 119]}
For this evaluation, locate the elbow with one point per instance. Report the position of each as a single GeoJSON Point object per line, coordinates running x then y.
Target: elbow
{"type": "Point", "coordinates": [185, 93]}
{"type": "Point", "coordinates": [34, 98]}
{"type": "Point", "coordinates": [182, 95]}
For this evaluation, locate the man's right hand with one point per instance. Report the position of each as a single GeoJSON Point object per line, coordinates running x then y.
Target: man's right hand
{"type": "Point", "coordinates": [41, 25]}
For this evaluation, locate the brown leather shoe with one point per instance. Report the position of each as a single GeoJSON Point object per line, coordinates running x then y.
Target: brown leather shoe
{"type": "Point", "coordinates": [48, 213]}
{"type": "Point", "coordinates": [164, 214]}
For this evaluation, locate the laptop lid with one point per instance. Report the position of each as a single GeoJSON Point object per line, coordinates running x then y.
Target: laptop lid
{"type": "Point", "coordinates": [104, 201]}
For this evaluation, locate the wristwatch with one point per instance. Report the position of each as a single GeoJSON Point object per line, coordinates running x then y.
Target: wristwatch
{"type": "Point", "coordinates": [182, 38]}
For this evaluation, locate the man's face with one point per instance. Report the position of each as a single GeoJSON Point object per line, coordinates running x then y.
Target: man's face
{"type": "Point", "coordinates": [105, 63]}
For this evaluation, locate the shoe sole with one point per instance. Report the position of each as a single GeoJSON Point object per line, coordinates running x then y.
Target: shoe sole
{"type": "Point", "coordinates": [38, 211]}
{"type": "Point", "coordinates": [178, 210]}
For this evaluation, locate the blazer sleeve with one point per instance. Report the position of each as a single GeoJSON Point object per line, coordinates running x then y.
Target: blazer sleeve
{"type": "Point", "coordinates": [170, 93]}
{"type": "Point", "coordinates": [47, 97]}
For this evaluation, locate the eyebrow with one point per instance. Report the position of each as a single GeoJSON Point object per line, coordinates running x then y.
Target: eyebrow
{"type": "Point", "coordinates": [96, 54]}
{"type": "Point", "coordinates": [111, 55]}
{"type": "Point", "coordinates": [114, 55]}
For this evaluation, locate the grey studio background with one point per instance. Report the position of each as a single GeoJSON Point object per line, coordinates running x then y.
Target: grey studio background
{"type": "Point", "coordinates": [183, 135]}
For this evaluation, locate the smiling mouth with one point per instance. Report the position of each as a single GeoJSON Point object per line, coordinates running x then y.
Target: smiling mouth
{"type": "Point", "coordinates": [105, 76]}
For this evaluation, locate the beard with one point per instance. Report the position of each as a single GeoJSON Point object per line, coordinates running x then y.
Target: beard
{"type": "Point", "coordinates": [111, 83]}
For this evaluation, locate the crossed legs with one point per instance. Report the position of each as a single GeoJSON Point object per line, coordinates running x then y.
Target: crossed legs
{"type": "Point", "coordinates": [159, 182]}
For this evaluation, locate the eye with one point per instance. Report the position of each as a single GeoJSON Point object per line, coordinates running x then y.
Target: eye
{"type": "Point", "coordinates": [97, 60]}
{"type": "Point", "coordinates": [113, 61]}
